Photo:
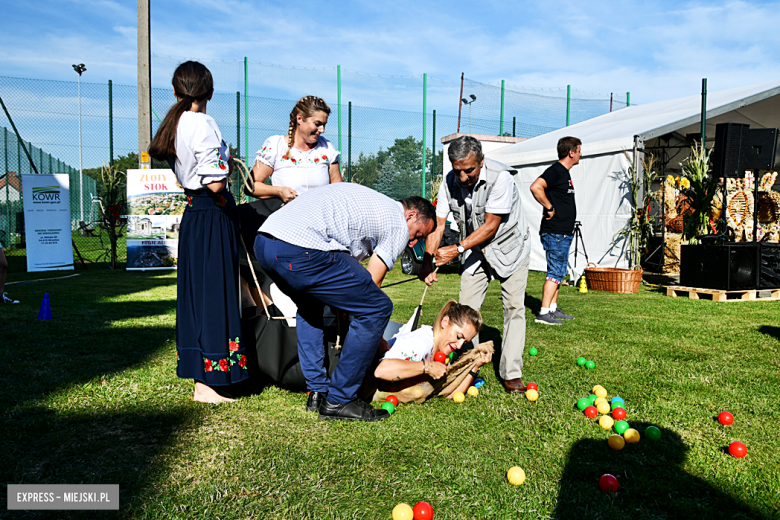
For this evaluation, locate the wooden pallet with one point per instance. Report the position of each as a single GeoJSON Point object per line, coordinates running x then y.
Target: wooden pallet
{"type": "Point", "coordinates": [718, 295]}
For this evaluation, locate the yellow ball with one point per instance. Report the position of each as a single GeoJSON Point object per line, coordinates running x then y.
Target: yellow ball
{"type": "Point", "coordinates": [603, 408]}
{"type": "Point", "coordinates": [531, 395]}
{"type": "Point", "coordinates": [473, 392]}
{"type": "Point", "coordinates": [606, 422]}
{"type": "Point", "coordinates": [599, 400]}
{"type": "Point", "coordinates": [631, 436]}
{"type": "Point", "coordinates": [600, 391]}
{"type": "Point", "coordinates": [515, 476]}
{"type": "Point", "coordinates": [403, 512]}
{"type": "Point", "coordinates": [458, 397]}
{"type": "Point", "coordinates": [616, 442]}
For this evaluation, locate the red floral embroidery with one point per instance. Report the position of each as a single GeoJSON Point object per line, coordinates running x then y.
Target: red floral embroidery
{"type": "Point", "coordinates": [284, 157]}
{"type": "Point", "coordinates": [224, 364]}
{"type": "Point", "coordinates": [189, 200]}
{"type": "Point", "coordinates": [316, 159]}
{"type": "Point", "coordinates": [325, 157]}
{"type": "Point", "coordinates": [222, 167]}
{"type": "Point", "coordinates": [222, 201]}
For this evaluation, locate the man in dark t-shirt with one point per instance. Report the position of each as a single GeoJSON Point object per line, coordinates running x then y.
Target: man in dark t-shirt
{"type": "Point", "coordinates": [555, 192]}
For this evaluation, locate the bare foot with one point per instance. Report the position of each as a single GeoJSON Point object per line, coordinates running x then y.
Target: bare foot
{"type": "Point", "coordinates": [206, 394]}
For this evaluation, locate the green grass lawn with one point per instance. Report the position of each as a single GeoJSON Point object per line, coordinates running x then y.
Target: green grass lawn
{"type": "Point", "coordinates": [92, 397]}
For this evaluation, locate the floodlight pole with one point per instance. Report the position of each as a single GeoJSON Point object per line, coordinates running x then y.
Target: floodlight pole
{"type": "Point", "coordinates": [80, 68]}
{"type": "Point", "coordinates": [81, 165]}
{"type": "Point", "coordinates": [469, 103]}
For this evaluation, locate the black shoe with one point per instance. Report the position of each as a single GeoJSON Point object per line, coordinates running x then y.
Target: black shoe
{"type": "Point", "coordinates": [355, 410]}
{"type": "Point", "coordinates": [315, 401]}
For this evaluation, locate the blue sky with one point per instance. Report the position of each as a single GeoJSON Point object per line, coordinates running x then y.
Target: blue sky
{"type": "Point", "coordinates": [655, 50]}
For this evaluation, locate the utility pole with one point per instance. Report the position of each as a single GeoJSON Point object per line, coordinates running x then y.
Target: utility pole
{"type": "Point", "coordinates": [144, 85]}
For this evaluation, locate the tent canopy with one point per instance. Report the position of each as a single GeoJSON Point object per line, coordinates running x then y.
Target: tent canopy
{"type": "Point", "coordinates": [601, 178]}
{"type": "Point", "coordinates": [756, 105]}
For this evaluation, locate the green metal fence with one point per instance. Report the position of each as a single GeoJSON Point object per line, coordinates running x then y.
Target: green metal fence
{"type": "Point", "coordinates": [388, 128]}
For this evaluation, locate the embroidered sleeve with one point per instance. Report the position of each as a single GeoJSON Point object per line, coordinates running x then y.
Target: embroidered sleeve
{"type": "Point", "coordinates": [331, 154]}
{"type": "Point", "coordinates": [211, 152]}
{"type": "Point", "coordinates": [267, 154]}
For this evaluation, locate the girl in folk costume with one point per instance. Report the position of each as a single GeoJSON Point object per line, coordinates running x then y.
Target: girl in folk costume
{"type": "Point", "coordinates": [301, 160]}
{"type": "Point", "coordinates": [208, 327]}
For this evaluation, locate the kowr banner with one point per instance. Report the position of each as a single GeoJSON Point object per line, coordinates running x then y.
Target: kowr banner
{"type": "Point", "coordinates": [155, 204]}
{"type": "Point", "coordinates": [47, 222]}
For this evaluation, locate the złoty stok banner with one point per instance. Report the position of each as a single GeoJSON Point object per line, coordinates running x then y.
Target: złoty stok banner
{"type": "Point", "coordinates": [47, 222]}
{"type": "Point", "coordinates": [155, 204]}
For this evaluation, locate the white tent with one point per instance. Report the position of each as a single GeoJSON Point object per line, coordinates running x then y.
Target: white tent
{"type": "Point", "coordinates": [601, 179]}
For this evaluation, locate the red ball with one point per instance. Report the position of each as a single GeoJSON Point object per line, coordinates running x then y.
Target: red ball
{"type": "Point", "coordinates": [608, 483]}
{"type": "Point", "coordinates": [422, 511]}
{"type": "Point", "coordinates": [591, 412]}
{"type": "Point", "coordinates": [532, 386]}
{"type": "Point", "coordinates": [737, 449]}
{"type": "Point", "coordinates": [392, 399]}
{"type": "Point", "coordinates": [440, 357]}
{"type": "Point", "coordinates": [725, 418]}
{"type": "Point", "coordinates": [618, 414]}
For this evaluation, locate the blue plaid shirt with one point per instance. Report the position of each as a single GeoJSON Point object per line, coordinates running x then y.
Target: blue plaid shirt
{"type": "Point", "coordinates": [343, 217]}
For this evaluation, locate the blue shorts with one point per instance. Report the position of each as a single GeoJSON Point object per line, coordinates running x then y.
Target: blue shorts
{"type": "Point", "coordinates": [557, 249]}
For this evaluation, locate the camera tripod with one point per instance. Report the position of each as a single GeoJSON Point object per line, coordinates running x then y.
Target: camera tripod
{"type": "Point", "coordinates": [577, 239]}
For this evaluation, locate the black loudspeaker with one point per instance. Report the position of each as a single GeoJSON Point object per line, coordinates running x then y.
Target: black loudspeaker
{"type": "Point", "coordinates": [731, 145]}
{"type": "Point", "coordinates": [761, 150]}
{"type": "Point", "coordinates": [769, 266]}
{"type": "Point", "coordinates": [729, 267]}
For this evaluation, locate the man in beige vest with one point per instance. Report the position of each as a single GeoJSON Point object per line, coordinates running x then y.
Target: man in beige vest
{"type": "Point", "coordinates": [485, 202]}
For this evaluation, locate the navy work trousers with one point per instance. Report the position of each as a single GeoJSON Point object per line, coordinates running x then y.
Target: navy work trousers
{"type": "Point", "coordinates": [312, 278]}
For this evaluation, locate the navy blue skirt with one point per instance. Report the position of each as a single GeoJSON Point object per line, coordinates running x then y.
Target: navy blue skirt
{"type": "Point", "coordinates": [208, 323]}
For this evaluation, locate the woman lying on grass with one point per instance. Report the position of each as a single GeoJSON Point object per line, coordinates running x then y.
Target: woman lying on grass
{"type": "Point", "coordinates": [408, 370]}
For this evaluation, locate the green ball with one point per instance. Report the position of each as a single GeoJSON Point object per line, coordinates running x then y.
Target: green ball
{"type": "Point", "coordinates": [452, 356]}
{"type": "Point", "coordinates": [533, 351]}
{"type": "Point", "coordinates": [592, 398]}
{"type": "Point", "coordinates": [590, 365]}
{"type": "Point", "coordinates": [618, 404]}
{"type": "Point", "coordinates": [581, 361]}
{"type": "Point", "coordinates": [583, 403]}
{"type": "Point", "coordinates": [621, 427]}
{"type": "Point", "coordinates": [390, 407]}
{"type": "Point", "coordinates": [653, 433]}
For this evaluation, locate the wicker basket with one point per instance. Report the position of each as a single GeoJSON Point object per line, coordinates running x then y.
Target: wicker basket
{"type": "Point", "coordinates": [612, 279]}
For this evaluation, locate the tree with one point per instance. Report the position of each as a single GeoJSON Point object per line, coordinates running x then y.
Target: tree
{"type": "Point", "coordinates": [401, 173]}
{"type": "Point", "coordinates": [366, 169]}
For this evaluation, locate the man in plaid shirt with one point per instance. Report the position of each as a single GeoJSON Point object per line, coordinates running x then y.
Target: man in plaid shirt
{"type": "Point", "coordinates": [311, 248]}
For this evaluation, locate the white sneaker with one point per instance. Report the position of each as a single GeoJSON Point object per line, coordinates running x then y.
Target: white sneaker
{"type": "Point", "coordinates": [6, 299]}
{"type": "Point", "coordinates": [548, 319]}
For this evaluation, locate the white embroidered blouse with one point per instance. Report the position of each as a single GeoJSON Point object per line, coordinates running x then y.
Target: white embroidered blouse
{"type": "Point", "coordinates": [301, 171]}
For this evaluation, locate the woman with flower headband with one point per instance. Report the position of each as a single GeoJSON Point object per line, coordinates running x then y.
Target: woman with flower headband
{"type": "Point", "coordinates": [301, 160]}
{"type": "Point", "coordinates": [208, 325]}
